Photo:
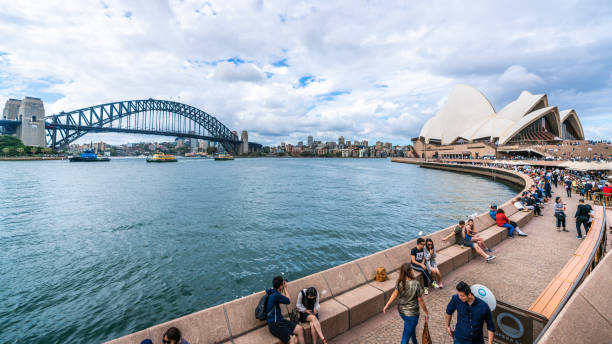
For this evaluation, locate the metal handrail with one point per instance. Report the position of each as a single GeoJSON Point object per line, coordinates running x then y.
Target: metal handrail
{"type": "Point", "coordinates": [602, 237]}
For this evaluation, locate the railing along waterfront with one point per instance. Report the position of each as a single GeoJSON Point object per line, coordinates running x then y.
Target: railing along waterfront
{"type": "Point", "coordinates": [594, 257]}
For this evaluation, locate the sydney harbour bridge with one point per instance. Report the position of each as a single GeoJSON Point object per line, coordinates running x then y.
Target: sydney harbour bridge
{"type": "Point", "coordinates": [148, 116]}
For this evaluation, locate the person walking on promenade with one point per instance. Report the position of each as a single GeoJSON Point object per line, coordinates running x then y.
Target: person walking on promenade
{"type": "Point", "coordinates": [418, 263]}
{"type": "Point", "coordinates": [461, 241]}
{"type": "Point", "coordinates": [568, 187]}
{"type": "Point", "coordinates": [410, 298]}
{"type": "Point", "coordinates": [430, 262]}
{"type": "Point", "coordinates": [547, 189]}
{"type": "Point", "coordinates": [285, 330]}
{"type": "Point", "coordinates": [555, 177]}
{"type": "Point", "coordinates": [560, 214]}
{"type": "Point", "coordinates": [582, 218]}
{"type": "Point", "coordinates": [308, 305]}
{"type": "Point", "coordinates": [472, 313]}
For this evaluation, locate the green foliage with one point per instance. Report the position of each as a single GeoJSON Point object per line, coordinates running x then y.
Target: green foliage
{"type": "Point", "coordinates": [10, 142]}
{"type": "Point", "coordinates": [266, 149]}
{"type": "Point", "coordinates": [12, 146]}
{"type": "Point", "coordinates": [307, 154]}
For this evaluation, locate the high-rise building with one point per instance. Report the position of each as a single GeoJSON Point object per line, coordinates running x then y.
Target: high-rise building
{"type": "Point", "coordinates": [379, 145]}
{"type": "Point", "coordinates": [341, 140]}
{"type": "Point", "coordinates": [310, 141]}
{"type": "Point", "coordinates": [364, 143]}
{"type": "Point", "coordinates": [300, 144]}
{"type": "Point", "coordinates": [348, 143]}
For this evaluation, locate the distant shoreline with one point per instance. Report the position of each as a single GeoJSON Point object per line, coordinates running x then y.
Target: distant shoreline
{"type": "Point", "coordinates": [31, 158]}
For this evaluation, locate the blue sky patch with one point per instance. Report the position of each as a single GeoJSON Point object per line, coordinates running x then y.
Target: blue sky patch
{"type": "Point", "coordinates": [281, 63]}
{"type": "Point", "coordinates": [235, 60]}
{"type": "Point", "coordinates": [331, 95]}
{"type": "Point", "coordinates": [127, 14]}
{"type": "Point", "coordinates": [269, 75]}
{"type": "Point", "coordinates": [305, 80]}
{"type": "Point", "coordinates": [381, 86]}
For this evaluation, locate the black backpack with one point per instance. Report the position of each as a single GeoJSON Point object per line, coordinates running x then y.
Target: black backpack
{"type": "Point", "coordinates": [260, 310]}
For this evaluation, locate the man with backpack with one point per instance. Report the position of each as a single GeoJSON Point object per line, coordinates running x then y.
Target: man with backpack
{"type": "Point", "coordinates": [281, 328]}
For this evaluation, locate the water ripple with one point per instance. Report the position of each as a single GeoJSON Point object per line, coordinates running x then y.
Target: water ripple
{"type": "Point", "coordinates": [91, 253]}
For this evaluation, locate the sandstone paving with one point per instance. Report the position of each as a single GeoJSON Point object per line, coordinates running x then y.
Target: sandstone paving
{"type": "Point", "coordinates": [523, 268]}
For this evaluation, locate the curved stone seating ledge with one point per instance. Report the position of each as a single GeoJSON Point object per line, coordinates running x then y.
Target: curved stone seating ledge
{"type": "Point", "coordinates": [349, 293]}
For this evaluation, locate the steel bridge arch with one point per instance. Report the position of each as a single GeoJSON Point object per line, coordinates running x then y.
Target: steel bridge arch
{"type": "Point", "coordinates": [66, 127]}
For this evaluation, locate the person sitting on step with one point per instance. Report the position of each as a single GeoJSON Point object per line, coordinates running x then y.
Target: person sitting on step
{"type": "Point", "coordinates": [461, 241]}
{"type": "Point", "coordinates": [503, 221]}
{"type": "Point", "coordinates": [308, 305]}
{"type": "Point", "coordinates": [430, 261]}
{"type": "Point", "coordinates": [418, 264]}
{"type": "Point", "coordinates": [285, 330]}
{"type": "Point", "coordinates": [471, 235]}
{"type": "Point", "coordinates": [493, 211]}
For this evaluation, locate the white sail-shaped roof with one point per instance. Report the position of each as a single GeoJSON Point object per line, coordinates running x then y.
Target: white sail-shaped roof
{"type": "Point", "coordinates": [464, 107]}
{"type": "Point", "coordinates": [572, 118]}
{"type": "Point", "coordinates": [551, 112]}
{"type": "Point", "coordinates": [468, 114]}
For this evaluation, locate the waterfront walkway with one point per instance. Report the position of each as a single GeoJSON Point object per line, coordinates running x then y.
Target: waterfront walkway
{"type": "Point", "coordinates": [523, 268]}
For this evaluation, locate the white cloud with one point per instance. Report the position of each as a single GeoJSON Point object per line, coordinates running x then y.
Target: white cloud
{"type": "Point", "coordinates": [227, 71]}
{"type": "Point", "coordinates": [518, 75]}
{"type": "Point", "coordinates": [380, 69]}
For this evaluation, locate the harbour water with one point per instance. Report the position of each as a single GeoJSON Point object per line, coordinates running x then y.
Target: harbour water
{"type": "Point", "coordinates": [91, 252]}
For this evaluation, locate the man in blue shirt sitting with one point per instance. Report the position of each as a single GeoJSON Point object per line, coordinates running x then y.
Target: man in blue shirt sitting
{"type": "Point", "coordinates": [285, 330]}
{"type": "Point", "coordinates": [493, 211]}
{"type": "Point", "coordinates": [471, 315]}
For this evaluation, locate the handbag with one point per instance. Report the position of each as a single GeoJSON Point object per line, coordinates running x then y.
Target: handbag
{"type": "Point", "coordinates": [426, 339]}
{"type": "Point", "coordinates": [294, 316]}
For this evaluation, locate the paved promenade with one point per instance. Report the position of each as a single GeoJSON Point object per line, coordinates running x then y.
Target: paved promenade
{"type": "Point", "coordinates": [523, 268]}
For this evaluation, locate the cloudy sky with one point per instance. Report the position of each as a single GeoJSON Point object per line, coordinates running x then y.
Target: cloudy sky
{"type": "Point", "coordinates": [283, 70]}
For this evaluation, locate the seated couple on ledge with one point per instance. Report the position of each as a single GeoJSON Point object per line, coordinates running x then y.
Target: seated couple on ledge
{"type": "Point", "coordinates": [499, 215]}
{"type": "Point", "coordinates": [469, 238]}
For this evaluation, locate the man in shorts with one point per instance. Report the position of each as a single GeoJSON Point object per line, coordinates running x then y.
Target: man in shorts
{"type": "Point", "coordinates": [460, 240]}
{"type": "Point", "coordinates": [281, 328]}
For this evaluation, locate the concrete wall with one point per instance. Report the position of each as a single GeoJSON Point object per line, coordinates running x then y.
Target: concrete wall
{"type": "Point", "coordinates": [349, 294]}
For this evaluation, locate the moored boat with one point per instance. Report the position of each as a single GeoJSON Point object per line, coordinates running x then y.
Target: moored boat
{"type": "Point", "coordinates": [88, 155]}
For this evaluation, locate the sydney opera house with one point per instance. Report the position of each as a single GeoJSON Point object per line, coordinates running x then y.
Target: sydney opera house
{"type": "Point", "coordinates": [467, 125]}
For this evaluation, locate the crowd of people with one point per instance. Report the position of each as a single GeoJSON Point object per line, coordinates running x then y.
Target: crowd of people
{"type": "Point", "coordinates": [472, 313]}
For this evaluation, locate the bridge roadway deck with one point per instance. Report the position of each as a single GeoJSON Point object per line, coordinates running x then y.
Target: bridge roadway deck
{"type": "Point", "coordinates": [523, 268]}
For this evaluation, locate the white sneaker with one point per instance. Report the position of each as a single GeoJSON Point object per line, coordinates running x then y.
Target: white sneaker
{"type": "Point", "coordinates": [490, 258]}
{"type": "Point", "coordinates": [520, 232]}
{"type": "Point", "coordinates": [426, 291]}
